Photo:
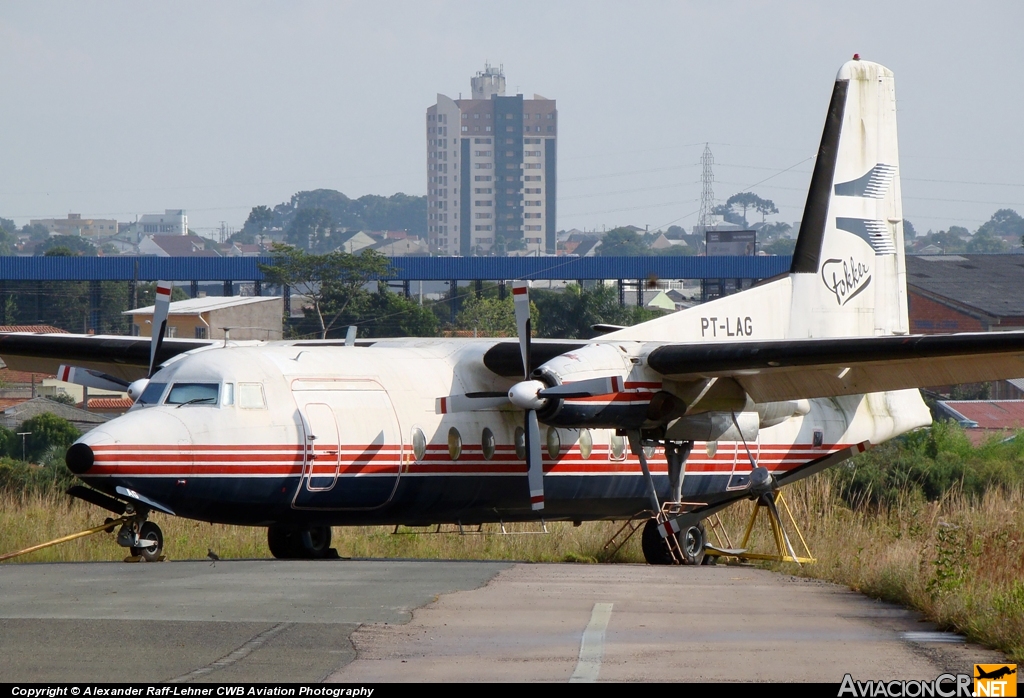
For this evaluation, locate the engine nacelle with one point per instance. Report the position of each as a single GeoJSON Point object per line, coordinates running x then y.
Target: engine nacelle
{"type": "Point", "coordinates": [714, 426]}
{"type": "Point", "coordinates": [624, 410]}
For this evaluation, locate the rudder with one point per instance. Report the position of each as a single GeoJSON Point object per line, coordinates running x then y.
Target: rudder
{"type": "Point", "coordinates": [848, 271]}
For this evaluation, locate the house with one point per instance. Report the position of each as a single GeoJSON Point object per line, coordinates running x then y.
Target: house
{"type": "Point", "coordinates": [353, 241]}
{"type": "Point", "coordinates": [12, 417]}
{"type": "Point", "coordinates": [246, 317]}
{"type": "Point", "coordinates": [402, 247]}
{"type": "Point", "coordinates": [985, 419]}
{"type": "Point", "coordinates": [175, 246]}
{"type": "Point", "coordinates": [238, 249]}
{"type": "Point", "coordinates": [967, 293]}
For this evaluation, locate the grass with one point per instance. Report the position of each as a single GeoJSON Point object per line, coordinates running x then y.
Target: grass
{"type": "Point", "coordinates": [958, 560]}
{"type": "Point", "coordinates": [33, 518]}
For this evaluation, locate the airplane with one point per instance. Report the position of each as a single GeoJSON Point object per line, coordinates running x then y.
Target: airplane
{"type": "Point", "coordinates": [995, 673]}
{"type": "Point", "coordinates": [670, 420]}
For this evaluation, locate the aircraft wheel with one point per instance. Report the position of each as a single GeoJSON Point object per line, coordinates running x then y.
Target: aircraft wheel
{"type": "Point", "coordinates": [293, 543]}
{"type": "Point", "coordinates": [284, 542]}
{"type": "Point", "coordinates": [691, 542]}
{"type": "Point", "coordinates": [316, 541]}
{"type": "Point", "coordinates": [149, 531]}
{"type": "Point", "coordinates": [655, 548]}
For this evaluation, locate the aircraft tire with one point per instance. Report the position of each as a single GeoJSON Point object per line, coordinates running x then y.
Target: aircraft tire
{"type": "Point", "coordinates": [284, 542]}
{"type": "Point", "coordinates": [152, 553]}
{"type": "Point", "coordinates": [293, 543]}
{"type": "Point", "coordinates": [655, 549]}
{"type": "Point", "coordinates": [691, 542]}
{"type": "Point", "coordinates": [316, 542]}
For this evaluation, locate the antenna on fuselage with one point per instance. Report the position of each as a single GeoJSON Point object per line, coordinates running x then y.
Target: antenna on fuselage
{"type": "Point", "coordinates": [350, 336]}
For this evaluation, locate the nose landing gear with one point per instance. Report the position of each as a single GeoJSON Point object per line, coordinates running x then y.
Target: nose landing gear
{"type": "Point", "coordinates": [144, 539]}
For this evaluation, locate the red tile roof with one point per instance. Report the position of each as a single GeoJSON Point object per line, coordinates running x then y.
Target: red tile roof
{"type": "Point", "coordinates": [45, 329]}
{"type": "Point", "coordinates": [110, 403]}
{"type": "Point", "coordinates": [991, 414]}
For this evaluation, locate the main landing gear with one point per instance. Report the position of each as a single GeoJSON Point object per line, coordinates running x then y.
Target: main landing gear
{"type": "Point", "coordinates": [663, 542]}
{"type": "Point", "coordinates": [297, 543]}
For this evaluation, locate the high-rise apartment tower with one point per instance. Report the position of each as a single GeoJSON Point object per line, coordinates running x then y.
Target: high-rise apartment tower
{"type": "Point", "coordinates": [491, 171]}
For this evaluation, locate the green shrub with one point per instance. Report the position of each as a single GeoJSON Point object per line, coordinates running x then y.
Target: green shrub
{"type": "Point", "coordinates": [47, 431]}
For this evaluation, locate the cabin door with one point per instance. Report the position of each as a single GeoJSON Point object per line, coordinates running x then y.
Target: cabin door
{"type": "Point", "coordinates": [353, 450]}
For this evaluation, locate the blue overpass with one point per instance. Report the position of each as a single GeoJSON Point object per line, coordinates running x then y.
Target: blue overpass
{"type": "Point", "coordinates": [246, 269]}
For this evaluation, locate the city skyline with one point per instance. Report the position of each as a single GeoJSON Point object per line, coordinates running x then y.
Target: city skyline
{"type": "Point", "coordinates": [116, 110]}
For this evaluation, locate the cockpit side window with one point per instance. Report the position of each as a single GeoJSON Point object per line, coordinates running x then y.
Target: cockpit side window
{"type": "Point", "coordinates": [151, 395]}
{"type": "Point", "coordinates": [250, 396]}
{"type": "Point", "coordinates": [193, 394]}
{"type": "Point", "coordinates": [228, 394]}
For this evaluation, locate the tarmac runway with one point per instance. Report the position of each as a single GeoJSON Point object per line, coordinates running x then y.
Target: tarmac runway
{"type": "Point", "coordinates": [406, 620]}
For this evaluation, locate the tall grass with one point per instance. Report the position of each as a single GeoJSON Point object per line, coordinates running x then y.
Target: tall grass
{"type": "Point", "coordinates": [28, 519]}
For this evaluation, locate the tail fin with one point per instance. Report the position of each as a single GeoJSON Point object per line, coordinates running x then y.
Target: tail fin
{"type": "Point", "coordinates": [848, 272]}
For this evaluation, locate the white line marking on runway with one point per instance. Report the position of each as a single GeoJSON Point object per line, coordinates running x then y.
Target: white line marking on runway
{"type": "Point", "coordinates": [241, 653]}
{"type": "Point", "coordinates": [592, 645]}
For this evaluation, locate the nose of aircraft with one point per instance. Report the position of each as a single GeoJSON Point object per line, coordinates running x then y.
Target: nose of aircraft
{"type": "Point", "coordinates": [141, 428]}
{"type": "Point", "coordinates": [79, 458]}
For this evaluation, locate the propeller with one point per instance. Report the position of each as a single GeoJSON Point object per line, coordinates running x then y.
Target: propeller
{"type": "Point", "coordinates": [529, 396]}
{"type": "Point", "coordinates": [90, 378]}
{"type": "Point", "coordinates": [160, 310]}
{"type": "Point", "coordinates": [96, 379]}
{"type": "Point", "coordinates": [520, 396]}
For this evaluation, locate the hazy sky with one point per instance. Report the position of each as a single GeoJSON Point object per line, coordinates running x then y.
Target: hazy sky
{"type": "Point", "coordinates": [113, 109]}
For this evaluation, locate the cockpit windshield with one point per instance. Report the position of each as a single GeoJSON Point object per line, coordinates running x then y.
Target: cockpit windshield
{"type": "Point", "coordinates": [193, 394]}
{"type": "Point", "coordinates": [151, 395]}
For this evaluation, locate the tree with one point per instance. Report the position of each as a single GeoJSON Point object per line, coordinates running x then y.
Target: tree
{"type": "Point", "coordinates": [491, 317]}
{"type": "Point", "coordinates": [331, 281]}
{"type": "Point", "coordinates": [745, 200]}
{"type": "Point", "coordinates": [570, 314]}
{"type": "Point", "coordinates": [984, 242]}
{"type": "Point", "coordinates": [35, 232]}
{"type": "Point", "coordinates": [781, 246]}
{"type": "Point", "coordinates": [622, 242]}
{"type": "Point", "coordinates": [908, 230]}
{"type": "Point", "coordinates": [1004, 223]}
{"type": "Point", "coordinates": [311, 229]}
{"type": "Point", "coordinates": [728, 215]}
{"type": "Point", "coordinates": [69, 246]}
{"type": "Point", "coordinates": [774, 231]}
{"type": "Point", "coordinates": [48, 430]}
{"type": "Point", "coordinates": [386, 314]}
{"type": "Point", "coordinates": [950, 242]}
{"type": "Point", "coordinates": [259, 221]}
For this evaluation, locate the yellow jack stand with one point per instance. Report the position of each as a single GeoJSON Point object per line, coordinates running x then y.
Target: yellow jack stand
{"type": "Point", "coordinates": [782, 544]}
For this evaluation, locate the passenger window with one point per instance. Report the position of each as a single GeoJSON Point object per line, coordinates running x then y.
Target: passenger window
{"type": "Point", "coordinates": [618, 444]}
{"type": "Point", "coordinates": [193, 394]}
{"type": "Point", "coordinates": [586, 443]}
{"type": "Point", "coordinates": [487, 443]}
{"type": "Point", "coordinates": [250, 396]}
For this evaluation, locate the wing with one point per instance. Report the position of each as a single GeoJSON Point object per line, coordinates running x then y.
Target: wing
{"type": "Point", "coordinates": [124, 357]}
{"type": "Point", "coordinates": [805, 368]}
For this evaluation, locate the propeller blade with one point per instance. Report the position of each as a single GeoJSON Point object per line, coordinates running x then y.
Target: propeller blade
{"type": "Point", "coordinates": [535, 464]}
{"type": "Point", "coordinates": [585, 388]}
{"type": "Point", "coordinates": [90, 378]}
{"type": "Point", "coordinates": [469, 402]}
{"type": "Point", "coordinates": [160, 308]}
{"type": "Point", "coordinates": [521, 302]}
